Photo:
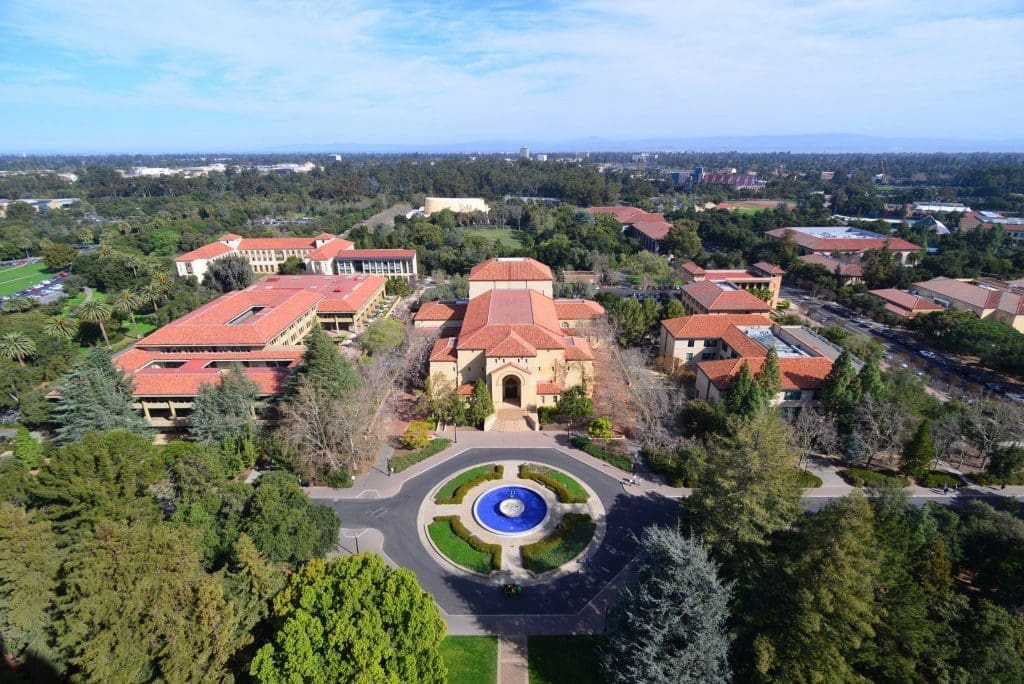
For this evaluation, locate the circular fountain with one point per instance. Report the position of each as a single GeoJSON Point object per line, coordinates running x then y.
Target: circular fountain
{"type": "Point", "coordinates": [510, 510]}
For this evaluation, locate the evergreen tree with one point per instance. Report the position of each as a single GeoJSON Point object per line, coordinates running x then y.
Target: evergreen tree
{"type": "Point", "coordinates": [251, 582]}
{"type": "Point", "coordinates": [743, 398]}
{"type": "Point", "coordinates": [992, 645]}
{"type": "Point", "coordinates": [284, 524]}
{"type": "Point", "coordinates": [353, 619]}
{"type": "Point", "coordinates": [769, 380]}
{"type": "Point", "coordinates": [95, 396]}
{"type": "Point", "coordinates": [323, 366]}
{"type": "Point", "coordinates": [918, 452]}
{"type": "Point", "coordinates": [574, 403]}
{"type": "Point", "coordinates": [671, 626]}
{"type": "Point", "coordinates": [828, 611]}
{"type": "Point", "coordinates": [226, 410]}
{"type": "Point", "coordinates": [869, 379]}
{"type": "Point", "coordinates": [232, 272]}
{"type": "Point", "coordinates": [747, 491]}
{"type": "Point", "coordinates": [27, 449]}
{"type": "Point", "coordinates": [840, 391]}
{"type": "Point", "coordinates": [480, 404]}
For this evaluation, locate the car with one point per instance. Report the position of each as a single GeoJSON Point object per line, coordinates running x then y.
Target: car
{"type": "Point", "coordinates": [927, 354]}
{"type": "Point", "coordinates": [904, 365]}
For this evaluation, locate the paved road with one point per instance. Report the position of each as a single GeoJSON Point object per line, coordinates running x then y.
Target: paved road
{"type": "Point", "coordinates": [459, 594]}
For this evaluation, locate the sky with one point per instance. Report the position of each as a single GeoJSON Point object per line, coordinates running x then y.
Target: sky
{"type": "Point", "coordinates": [221, 75]}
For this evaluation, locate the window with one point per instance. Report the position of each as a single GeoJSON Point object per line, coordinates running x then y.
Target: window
{"type": "Point", "coordinates": [792, 395]}
{"type": "Point", "coordinates": [689, 357]}
{"type": "Point", "coordinates": [690, 343]}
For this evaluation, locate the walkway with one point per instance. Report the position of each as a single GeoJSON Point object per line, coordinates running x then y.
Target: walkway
{"type": "Point", "coordinates": [510, 420]}
{"type": "Point", "coordinates": [513, 660]}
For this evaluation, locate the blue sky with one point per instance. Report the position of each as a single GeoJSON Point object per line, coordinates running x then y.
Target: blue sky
{"type": "Point", "coordinates": [148, 75]}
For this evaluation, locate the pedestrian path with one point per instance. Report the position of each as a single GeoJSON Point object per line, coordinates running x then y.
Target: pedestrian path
{"type": "Point", "coordinates": [513, 660]}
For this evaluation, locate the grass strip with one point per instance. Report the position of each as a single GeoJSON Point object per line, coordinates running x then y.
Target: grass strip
{"type": "Point", "coordinates": [568, 540]}
{"type": "Point", "coordinates": [566, 489]}
{"type": "Point", "coordinates": [621, 462]}
{"type": "Point", "coordinates": [436, 446]}
{"type": "Point", "coordinates": [471, 659]}
{"type": "Point", "coordinates": [454, 490]}
{"type": "Point", "coordinates": [462, 548]}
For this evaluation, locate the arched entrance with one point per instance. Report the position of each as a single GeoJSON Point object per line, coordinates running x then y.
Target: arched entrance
{"type": "Point", "coordinates": [511, 391]}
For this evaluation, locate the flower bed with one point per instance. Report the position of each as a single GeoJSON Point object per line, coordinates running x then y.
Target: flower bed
{"type": "Point", "coordinates": [620, 461]}
{"type": "Point", "coordinates": [454, 490]}
{"type": "Point", "coordinates": [457, 544]}
{"type": "Point", "coordinates": [566, 489]}
{"type": "Point", "coordinates": [436, 446]}
{"type": "Point", "coordinates": [569, 540]}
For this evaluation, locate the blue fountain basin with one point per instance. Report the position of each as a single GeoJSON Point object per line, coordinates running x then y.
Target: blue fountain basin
{"type": "Point", "coordinates": [510, 510]}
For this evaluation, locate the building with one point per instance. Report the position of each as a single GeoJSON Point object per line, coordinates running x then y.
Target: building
{"type": "Point", "coordinates": [1012, 225]}
{"type": "Point", "coordinates": [511, 333]}
{"type": "Point", "coordinates": [732, 180]}
{"type": "Point", "coordinates": [524, 152]}
{"type": "Point", "coordinates": [260, 328]}
{"type": "Point", "coordinates": [926, 208]}
{"type": "Point", "coordinates": [986, 298]}
{"type": "Point", "coordinates": [323, 254]}
{"type": "Point", "coordinates": [848, 242]}
{"type": "Point", "coordinates": [760, 276]}
{"type": "Point", "coordinates": [904, 304]}
{"type": "Point", "coordinates": [847, 273]}
{"type": "Point", "coordinates": [716, 347]}
{"type": "Point", "coordinates": [40, 205]}
{"type": "Point", "coordinates": [458, 205]}
{"type": "Point", "coordinates": [650, 229]}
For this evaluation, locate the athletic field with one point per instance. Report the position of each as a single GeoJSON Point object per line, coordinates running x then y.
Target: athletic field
{"type": "Point", "coordinates": [17, 278]}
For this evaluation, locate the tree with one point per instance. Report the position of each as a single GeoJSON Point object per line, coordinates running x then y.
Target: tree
{"type": "Point", "coordinates": [480, 404]}
{"type": "Point", "coordinates": [125, 303]}
{"type": "Point", "coordinates": [57, 256]}
{"type": "Point", "coordinates": [226, 410]}
{"type": "Point", "coordinates": [869, 379]}
{"type": "Point", "coordinates": [323, 366]}
{"type": "Point", "coordinates": [840, 391]}
{"type": "Point", "coordinates": [284, 524]}
{"type": "Point", "coordinates": [29, 568]}
{"type": "Point", "coordinates": [672, 625]}
{"type": "Point", "coordinates": [769, 380]}
{"type": "Point", "coordinates": [137, 606]}
{"type": "Point", "coordinates": [383, 336]}
{"type": "Point", "coordinates": [95, 396]}
{"type": "Point", "coordinates": [293, 265]}
{"type": "Point", "coordinates": [918, 452]}
{"type": "Point", "coordinates": [398, 286]}
{"type": "Point", "coordinates": [992, 644]}
{"type": "Point", "coordinates": [229, 273]}
{"type": "Point", "coordinates": [574, 403]}
{"type": "Point", "coordinates": [353, 619]}
{"type": "Point", "coordinates": [828, 611]}
{"type": "Point", "coordinates": [744, 397]}
{"type": "Point", "coordinates": [748, 490]}
{"type": "Point", "coordinates": [60, 327]}
{"type": "Point", "coordinates": [16, 346]}
{"type": "Point", "coordinates": [674, 309]}
{"type": "Point", "coordinates": [27, 450]}
{"type": "Point", "coordinates": [95, 311]}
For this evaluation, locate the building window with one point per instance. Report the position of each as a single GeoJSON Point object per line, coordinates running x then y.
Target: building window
{"type": "Point", "coordinates": [690, 343]}
{"type": "Point", "coordinates": [792, 395]}
{"type": "Point", "coordinates": [689, 357]}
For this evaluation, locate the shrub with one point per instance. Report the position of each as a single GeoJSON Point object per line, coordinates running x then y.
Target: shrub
{"type": "Point", "coordinates": [989, 479]}
{"type": "Point", "coordinates": [417, 435]}
{"type": "Point", "coordinates": [876, 479]}
{"type": "Point", "coordinates": [462, 485]}
{"type": "Point", "coordinates": [568, 540]}
{"type": "Point", "coordinates": [27, 450]}
{"type": "Point", "coordinates": [451, 523]}
{"type": "Point", "coordinates": [547, 414]}
{"type": "Point", "coordinates": [339, 479]}
{"type": "Point", "coordinates": [1006, 462]}
{"type": "Point", "coordinates": [600, 428]}
{"type": "Point", "coordinates": [566, 489]}
{"type": "Point", "coordinates": [436, 446]}
{"type": "Point", "coordinates": [807, 479]}
{"type": "Point", "coordinates": [681, 467]}
{"type": "Point", "coordinates": [936, 480]}
{"type": "Point", "coordinates": [620, 461]}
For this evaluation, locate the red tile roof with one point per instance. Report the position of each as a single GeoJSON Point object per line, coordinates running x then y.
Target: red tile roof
{"type": "Point", "coordinates": [771, 269]}
{"type": "Point", "coordinates": [621, 214]}
{"type": "Point", "coordinates": [741, 344]}
{"type": "Point", "coordinates": [577, 349]}
{"type": "Point", "coordinates": [330, 249]}
{"type": "Point", "coordinates": [444, 350]}
{"type": "Point", "coordinates": [577, 309]}
{"type": "Point", "coordinates": [823, 244]}
{"type": "Point", "coordinates": [210, 251]}
{"type": "Point", "coordinates": [512, 345]}
{"type": "Point", "coordinates": [441, 311]}
{"type": "Point", "coordinates": [905, 304]}
{"type": "Point", "coordinates": [547, 388]}
{"type": "Point", "coordinates": [716, 299]}
{"type": "Point", "coordinates": [709, 326]}
{"type": "Point", "coordinates": [275, 243]}
{"type": "Point", "coordinates": [354, 254]}
{"type": "Point", "coordinates": [656, 229]}
{"type": "Point", "coordinates": [340, 294]}
{"type": "Point", "coordinates": [653, 226]}
{"type": "Point", "coordinates": [965, 292]}
{"type": "Point", "coordinates": [848, 270]}
{"type": "Point", "coordinates": [693, 268]}
{"type": "Point", "coordinates": [510, 268]}
{"type": "Point", "coordinates": [185, 380]}
{"type": "Point", "coordinates": [797, 373]}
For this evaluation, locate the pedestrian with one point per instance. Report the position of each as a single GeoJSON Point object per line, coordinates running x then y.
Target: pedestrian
{"type": "Point", "coordinates": [1004, 486]}
{"type": "Point", "coordinates": [390, 470]}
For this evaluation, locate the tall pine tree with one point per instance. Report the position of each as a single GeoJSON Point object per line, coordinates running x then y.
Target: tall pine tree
{"type": "Point", "coordinates": [769, 379]}
{"type": "Point", "coordinates": [743, 398]}
{"type": "Point", "coordinates": [95, 396]}
{"type": "Point", "coordinates": [225, 410]}
{"type": "Point", "coordinates": [323, 366]}
{"type": "Point", "coordinates": [918, 452]}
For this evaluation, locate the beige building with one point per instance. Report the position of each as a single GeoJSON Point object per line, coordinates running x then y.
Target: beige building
{"type": "Point", "coordinates": [527, 346]}
{"type": "Point", "coordinates": [459, 205]}
{"type": "Point", "coordinates": [761, 275]}
{"type": "Point", "coordinates": [985, 298]}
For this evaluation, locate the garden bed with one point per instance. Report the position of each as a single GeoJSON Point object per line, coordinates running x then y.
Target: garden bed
{"type": "Point", "coordinates": [807, 479]}
{"type": "Point", "coordinates": [565, 488]}
{"type": "Point", "coordinates": [569, 540]}
{"type": "Point", "coordinates": [876, 479]}
{"type": "Point", "coordinates": [936, 480]}
{"type": "Point", "coordinates": [454, 490]}
{"type": "Point", "coordinates": [620, 461]}
{"type": "Point", "coordinates": [458, 545]}
{"type": "Point", "coordinates": [436, 446]}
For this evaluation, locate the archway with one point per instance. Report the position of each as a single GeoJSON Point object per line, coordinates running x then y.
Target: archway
{"type": "Point", "coordinates": [511, 390]}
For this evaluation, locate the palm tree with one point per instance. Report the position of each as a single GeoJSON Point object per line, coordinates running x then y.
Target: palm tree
{"type": "Point", "coordinates": [131, 262]}
{"type": "Point", "coordinates": [125, 303]}
{"type": "Point", "coordinates": [16, 346]}
{"type": "Point", "coordinates": [94, 311]}
{"type": "Point", "coordinates": [105, 249]}
{"type": "Point", "coordinates": [61, 327]}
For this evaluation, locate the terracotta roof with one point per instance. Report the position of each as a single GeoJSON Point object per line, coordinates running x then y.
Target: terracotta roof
{"type": "Point", "coordinates": [714, 298]}
{"type": "Point", "coordinates": [797, 373]}
{"type": "Point", "coordinates": [824, 244]}
{"type": "Point", "coordinates": [621, 214]}
{"type": "Point", "coordinates": [511, 345]}
{"type": "Point", "coordinates": [444, 350]}
{"type": "Point", "coordinates": [905, 304]}
{"type": "Point", "coordinates": [275, 243]}
{"type": "Point", "coordinates": [510, 268]}
{"type": "Point", "coordinates": [709, 326]}
{"type": "Point", "coordinates": [340, 294]}
{"type": "Point", "coordinates": [693, 268]}
{"type": "Point", "coordinates": [229, 237]}
{"type": "Point", "coordinates": [741, 344]}
{"type": "Point", "coordinates": [441, 311]}
{"type": "Point", "coordinates": [771, 269]}
{"type": "Point", "coordinates": [653, 226]}
{"type": "Point", "coordinates": [210, 251]}
{"type": "Point", "coordinates": [549, 388]}
{"type": "Point", "coordinates": [656, 229]}
{"type": "Point", "coordinates": [578, 349]}
{"type": "Point", "coordinates": [353, 254]}
{"type": "Point", "coordinates": [849, 270]}
{"type": "Point", "coordinates": [465, 389]}
{"type": "Point", "coordinates": [577, 309]}
{"type": "Point", "coordinates": [185, 380]}
{"type": "Point", "coordinates": [330, 249]}
{"type": "Point", "coordinates": [969, 293]}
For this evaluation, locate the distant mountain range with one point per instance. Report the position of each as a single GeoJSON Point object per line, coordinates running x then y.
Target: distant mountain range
{"type": "Point", "coordinates": [819, 142]}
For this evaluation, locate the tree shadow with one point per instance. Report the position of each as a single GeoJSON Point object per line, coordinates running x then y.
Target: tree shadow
{"type": "Point", "coordinates": [32, 667]}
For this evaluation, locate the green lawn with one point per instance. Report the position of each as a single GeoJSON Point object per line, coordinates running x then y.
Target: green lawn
{"type": "Point", "coordinates": [568, 540]}
{"type": "Point", "coordinates": [17, 278]}
{"type": "Point", "coordinates": [505, 236]}
{"type": "Point", "coordinates": [436, 446]}
{"type": "Point", "coordinates": [73, 302]}
{"type": "Point", "coordinates": [456, 549]}
{"type": "Point", "coordinates": [448, 490]}
{"type": "Point", "coordinates": [575, 488]}
{"type": "Point", "coordinates": [561, 659]}
{"type": "Point", "coordinates": [471, 660]}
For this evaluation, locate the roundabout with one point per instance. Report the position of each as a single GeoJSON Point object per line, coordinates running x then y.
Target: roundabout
{"type": "Point", "coordinates": [510, 511]}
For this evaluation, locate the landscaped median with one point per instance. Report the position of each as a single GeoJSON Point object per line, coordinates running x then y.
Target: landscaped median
{"type": "Point", "coordinates": [458, 545]}
{"type": "Point", "coordinates": [620, 461]}
{"type": "Point", "coordinates": [875, 479]}
{"type": "Point", "coordinates": [436, 446]}
{"type": "Point", "coordinates": [569, 540]}
{"type": "Point", "coordinates": [565, 488]}
{"type": "Point", "coordinates": [454, 490]}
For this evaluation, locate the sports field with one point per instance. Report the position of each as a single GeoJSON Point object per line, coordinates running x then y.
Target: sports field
{"type": "Point", "coordinates": [16, 278]}
{"type": "Point", "coordinates": [505, 236]}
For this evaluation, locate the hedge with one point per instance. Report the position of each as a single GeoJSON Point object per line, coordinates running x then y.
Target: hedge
{"type": "Point", "coordinates": [436, 446]}
{"type": "Point", "coordinates": [935, 480]}
{"type": "Point", "coordinates": [485, 557]}
{"type": "Point", "coordinates": [990, 479]}
{"type": "Point", "coordinates": [807, 479]}
{"type": "Point", "coordinates": [566, 489]}
{"type": "Point", "coordinates": [876, 479]}
{"type": "Point", "coordinates": [568, 540]}
{"type": "Point", "coordinates": [460, 485]}
{"type": "Point", "coordinates": [621, 462]}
